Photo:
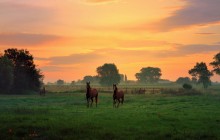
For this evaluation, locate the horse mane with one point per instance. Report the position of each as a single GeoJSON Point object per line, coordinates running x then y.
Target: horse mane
{"type": "Point", "coordinates": [88, 88]}
{"type": "Point", "coordinates": [115, 90]}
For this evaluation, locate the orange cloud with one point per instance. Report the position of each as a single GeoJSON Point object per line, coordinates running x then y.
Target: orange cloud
{"type": "Point", "coordinates": [26, 39]}
{"type": "Point", "coordinates": [206, 33]}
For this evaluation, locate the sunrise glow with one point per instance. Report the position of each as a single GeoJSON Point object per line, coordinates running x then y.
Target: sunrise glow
{"type": "Point", "coordinates": [70, 39]}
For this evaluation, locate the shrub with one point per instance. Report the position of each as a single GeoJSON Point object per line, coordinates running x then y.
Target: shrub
{"type": "Point", "coordinates": [187, 86]}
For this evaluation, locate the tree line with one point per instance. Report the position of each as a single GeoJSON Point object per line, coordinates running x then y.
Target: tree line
{"type": "Point", "coordinates": [108, 74]}
{"type": "Point", "coordinates": [18, 73]}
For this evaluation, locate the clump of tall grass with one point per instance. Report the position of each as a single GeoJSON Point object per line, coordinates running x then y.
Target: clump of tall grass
{"type": "Point", "coordinates": [187, 86]}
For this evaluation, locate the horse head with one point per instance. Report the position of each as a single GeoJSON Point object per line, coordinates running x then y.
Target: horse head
{"type": "Point", "coordinates": [87, 85]}
{"type": "Point", "coordinates": [115, 88]}
{"type": "Point", "coordinates": [88, 88]}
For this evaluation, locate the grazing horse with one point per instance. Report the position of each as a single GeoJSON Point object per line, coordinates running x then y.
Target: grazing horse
{"type": "Point", "coordinates": [90, 94]}
{"type": "Point", "coordinates": [42, 91]}
{"type": "Point", "coordinates": [117, 96]}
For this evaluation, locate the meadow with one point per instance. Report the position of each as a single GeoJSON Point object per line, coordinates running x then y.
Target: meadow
{"type": "Point", "coordinates": [146, 116]}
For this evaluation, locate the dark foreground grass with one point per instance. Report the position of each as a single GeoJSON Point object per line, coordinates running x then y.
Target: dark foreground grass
{"type": "Point", "coordinates": [65, 116]}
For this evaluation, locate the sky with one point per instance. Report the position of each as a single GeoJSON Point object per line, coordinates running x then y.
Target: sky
{"type": "Point", "coordinates": [71, 38]}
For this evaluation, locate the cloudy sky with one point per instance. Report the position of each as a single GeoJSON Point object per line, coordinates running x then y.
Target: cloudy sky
{"type": "Point", "coordinates": [71, 38]}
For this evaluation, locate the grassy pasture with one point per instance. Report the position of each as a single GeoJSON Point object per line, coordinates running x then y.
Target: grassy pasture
{"type": "Point", "coordinates": [65, 116]}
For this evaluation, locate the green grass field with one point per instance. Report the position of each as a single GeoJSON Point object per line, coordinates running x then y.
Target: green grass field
{"type": "Point", "coordinates": [65, 116]}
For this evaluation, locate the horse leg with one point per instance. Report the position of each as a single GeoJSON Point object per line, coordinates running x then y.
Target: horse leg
{"type": "Point", "coordinates": [91, 102]}
{"type": "Point", "coordinates": [87, 102]}
{"type": "Point", "coordinates": [122, 100]}
{"type": "Point", "coordinates": [96, 100]}
{"type": "Point", "coordinates": [118, 103]}
{"type": "Point", "coordinates": [114, 103]}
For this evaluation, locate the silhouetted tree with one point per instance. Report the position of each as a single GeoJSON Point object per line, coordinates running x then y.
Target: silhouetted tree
{"type": "Point", "coordinates": [60, 82]}
{"type": "Point", "coordinates": [216, 63]}
{"type": "Point", "coordinates": [148, 75]}
{"type": "Point", "coordinates": [108, 74]}
{"type": "Point", "coordinates": [194, 80]}
{"type": "Point", "coordinates": [89, 78]}
{"type": "Point", "coordinates": [6, 74]}
{"type": "Point", "coordinates": [182, 80]}
{"type": "Point", "coordinates": [201, 72]}
{"type": "Point", "coordinates": [96, 79]}
{"type": "Point", "coordinates": [25, 75]}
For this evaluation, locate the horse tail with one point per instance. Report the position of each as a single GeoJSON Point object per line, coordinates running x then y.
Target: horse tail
{"type": "Point", "coordinates": [96, 98]}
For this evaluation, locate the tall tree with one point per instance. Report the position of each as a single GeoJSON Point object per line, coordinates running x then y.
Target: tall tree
{"type": "Point", "coordinates": [108, 74]}
{"type": "Point", "coordinates": [201, 72]}
{"type": "Point", "coordinates": [216, 64]}
{"type": "Point", "coordinates": [148, 75]}
{"type": "Point", "coordinates": [6, 74]}
{"type": "Point", "coordinates": [89, 78]}
{"type": "Point", "coordinates": [26, 75]}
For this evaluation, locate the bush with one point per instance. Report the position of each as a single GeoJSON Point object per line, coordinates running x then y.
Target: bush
{"type": "Point", "coordinates": [187, 86]}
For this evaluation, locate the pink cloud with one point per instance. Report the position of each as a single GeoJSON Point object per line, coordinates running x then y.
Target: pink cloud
{"type": "Point", "coordinates": [195, 13]}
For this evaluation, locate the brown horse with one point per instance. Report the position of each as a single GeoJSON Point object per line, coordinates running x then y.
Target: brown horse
{"type": "Point", "coordinates": [117, 96]}
{"type": "Point", "coordinates": [90, 94]}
